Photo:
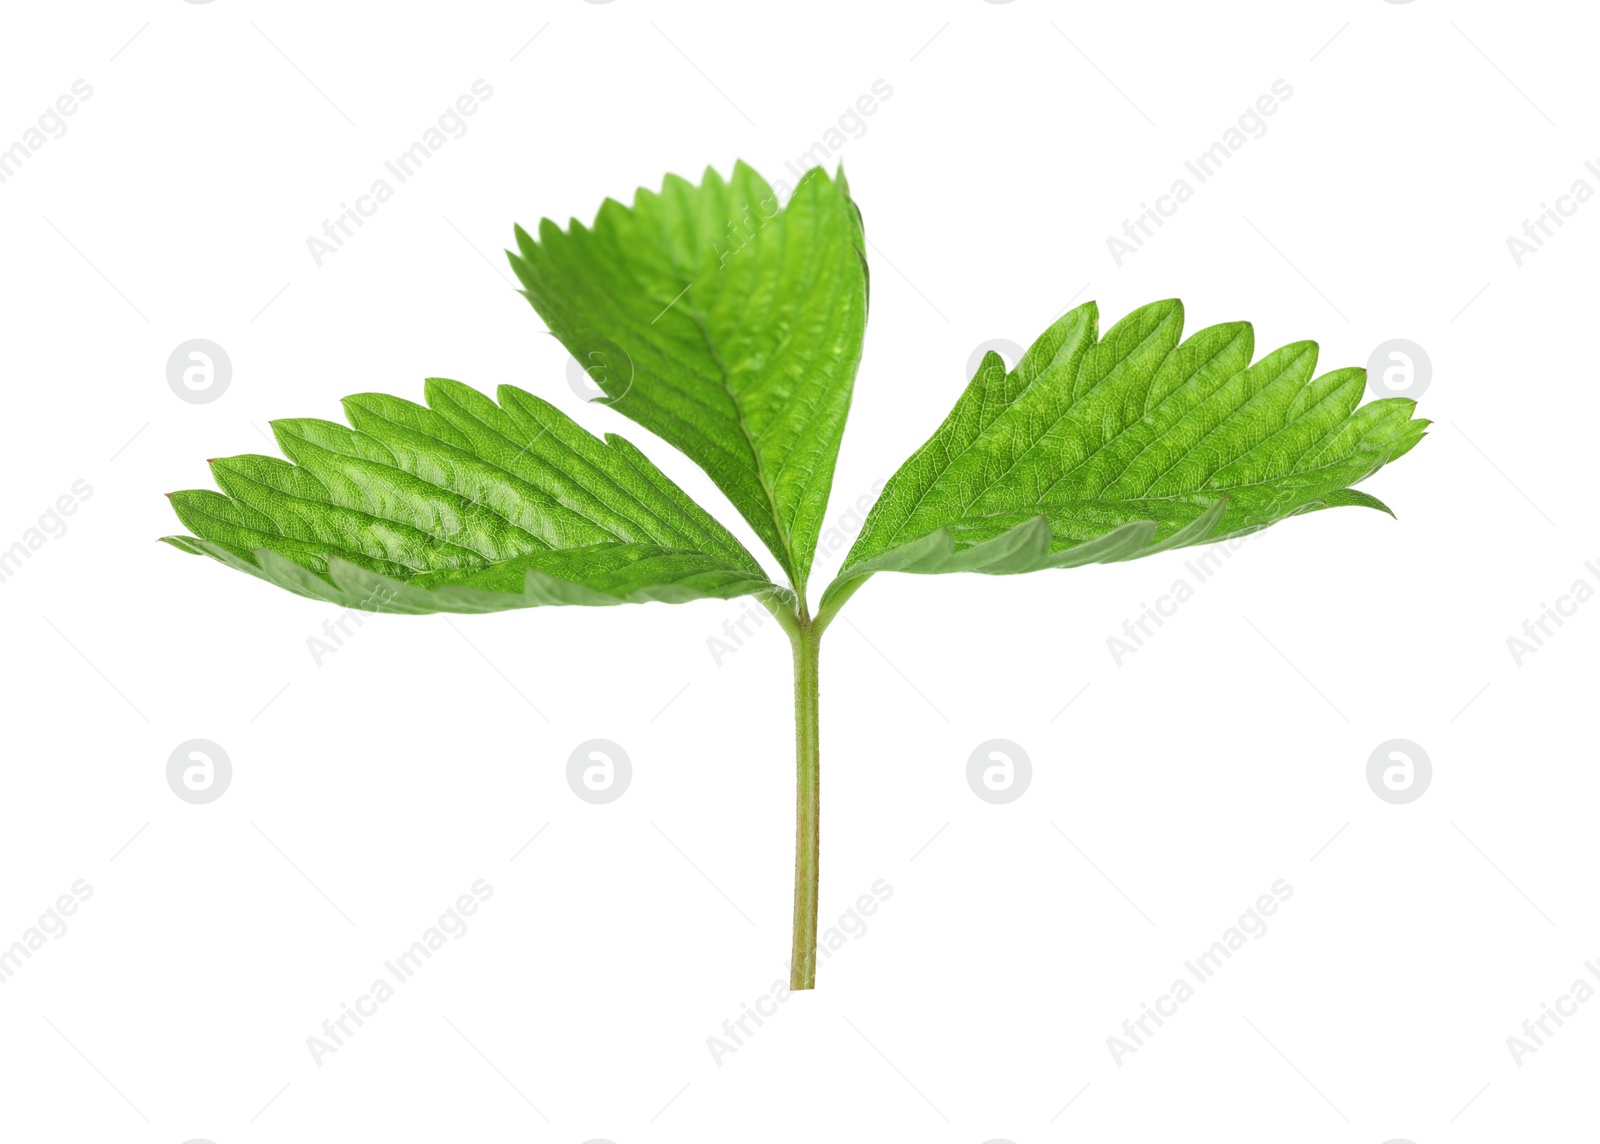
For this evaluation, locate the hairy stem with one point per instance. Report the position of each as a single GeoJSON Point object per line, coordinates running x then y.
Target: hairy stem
{"type": "Point", "coordinates": [807, 638]}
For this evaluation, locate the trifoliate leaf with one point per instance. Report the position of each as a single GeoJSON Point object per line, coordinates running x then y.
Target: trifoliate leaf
{"type": "Point", "coordinates": [724, 325]}
{"type": "Point", "coordinates": [1101, 449]}
{"type": "Point", "coordinates": [462, 505]}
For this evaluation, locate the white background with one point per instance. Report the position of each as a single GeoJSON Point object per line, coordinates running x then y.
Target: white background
{"type": "Point", "coordinates": [372, 790]}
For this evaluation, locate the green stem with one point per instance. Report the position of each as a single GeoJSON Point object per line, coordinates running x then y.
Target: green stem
{"type": "Point", "coordinates": [807, 639]}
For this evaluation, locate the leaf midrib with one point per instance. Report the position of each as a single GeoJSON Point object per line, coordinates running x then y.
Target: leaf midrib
{"type": "Point", "coordinates": [1209, 497]}
{"type": "Point", "coordinates": [744, 429]}
{"type": "Point", "coordinates": [360, 559]}
{"type": "Point", "coordinates": [815, 270]}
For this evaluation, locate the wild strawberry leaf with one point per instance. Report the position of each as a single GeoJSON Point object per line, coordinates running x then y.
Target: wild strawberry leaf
{"type": "Point", "coordinates": [1097, 449]}
{"type": "Point", "coordinates": [462, 505]}
{"type": "Point", "coordinates": [724, 325]}
{"type": "Point", "coordinates": [732, 329]}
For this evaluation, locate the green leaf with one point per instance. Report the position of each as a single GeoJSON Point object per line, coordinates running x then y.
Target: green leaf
{"type": "Point", "coordinates": [462, 505]}
{"type": "Point", "coordinates": [1098, 449]}
{"type": "Point", "coordinates": [724, 325]}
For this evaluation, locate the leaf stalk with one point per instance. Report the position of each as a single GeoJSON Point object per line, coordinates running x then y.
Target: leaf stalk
{"type": "Point", "coordinates": [806, 637]}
